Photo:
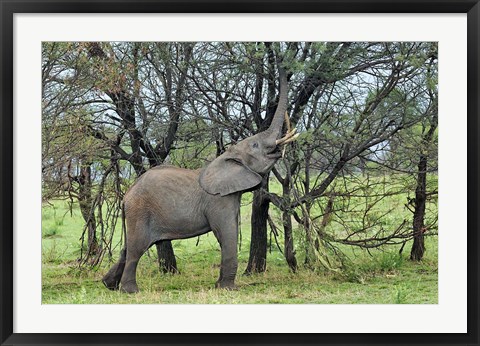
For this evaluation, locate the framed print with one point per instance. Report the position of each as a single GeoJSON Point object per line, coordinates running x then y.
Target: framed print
{"type": "Point", "coordinates": [330, 147]}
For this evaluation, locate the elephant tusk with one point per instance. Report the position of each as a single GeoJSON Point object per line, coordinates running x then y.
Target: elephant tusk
{"type": "Point", "coordinates": [291, 139]}
{"type": "Point", "coordinates": [287, 120]}
{"type": "Point", "coordinates": [288, 140]}
{"type": "Point", "coordinates": [289, 136]}
{"type": "Point", "coordinates": [286, 137]}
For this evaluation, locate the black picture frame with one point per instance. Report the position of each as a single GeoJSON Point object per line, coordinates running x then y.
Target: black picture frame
{"type": "Point", "coordinates": [9, 8]}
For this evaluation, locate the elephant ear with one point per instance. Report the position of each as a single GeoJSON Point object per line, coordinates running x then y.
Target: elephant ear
{"type": "Point", "coordinates": [226, 175]}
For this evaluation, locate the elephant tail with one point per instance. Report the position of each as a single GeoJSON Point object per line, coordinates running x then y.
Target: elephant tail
{"type": "Point", "coordinates": [124, 226]}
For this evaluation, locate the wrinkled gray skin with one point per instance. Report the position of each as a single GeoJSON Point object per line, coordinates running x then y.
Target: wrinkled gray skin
{"type": "Point", "coordinates": [174, 203]}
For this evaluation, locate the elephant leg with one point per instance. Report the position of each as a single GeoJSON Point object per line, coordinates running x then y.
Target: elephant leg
{"type": "Point", "coordinates": [136, 247]}
{"type": "Point", "coordinates": [227, 236]}
{"type": "Point", "coordinates": [129, 280]}
{"type": "Point", "coordinates": [112, 279]}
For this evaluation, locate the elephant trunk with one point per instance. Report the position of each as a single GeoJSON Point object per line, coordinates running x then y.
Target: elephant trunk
{"type": "Point", "coordinates": [276, 126]}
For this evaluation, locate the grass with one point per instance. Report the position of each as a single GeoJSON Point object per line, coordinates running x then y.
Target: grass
{"type": "Point", "coordinates": [381, 277]}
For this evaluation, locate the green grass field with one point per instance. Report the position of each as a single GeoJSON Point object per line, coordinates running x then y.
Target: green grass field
{"type": "Point", "coordinates": [381, 277]}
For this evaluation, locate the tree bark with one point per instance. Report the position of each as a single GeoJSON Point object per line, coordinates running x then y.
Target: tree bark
{"type": "Point", "coordinates": [418, 247]}
{"type": "Point", "coordinates": [166, 257]}
{"type": "Point", "coordinates": [309, 246]}
{"type": "Point", "coordinates": [287, 224]}
{"type": "Point", "coordinates": [288, 246]}
{"type": "Point", "coordinates": [257, 262]}
{"type": "Point", "coordinates": [85, 202]}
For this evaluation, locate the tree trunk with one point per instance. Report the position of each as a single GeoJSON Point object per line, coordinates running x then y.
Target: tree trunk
{"type": "Point", "coordinates": [418, 247]}
{"type": "Point", "coordinates": [327, 215]}
{"type": "Point", "coordinates": [257, 262]}
{"type": "Point", "coordinates": [166, 257]}
{"type": "Point", "coordinates": [309, 246]}
{"type": "Point", "coordinates": [85, 202]}
{"type": "Point", "coordinates": [287, 226]}
{"type": "Point", "coordinates": [288, 246]}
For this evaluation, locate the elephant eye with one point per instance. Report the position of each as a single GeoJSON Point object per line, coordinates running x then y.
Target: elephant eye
{"type": "Point", "coordinates": [255, 145]}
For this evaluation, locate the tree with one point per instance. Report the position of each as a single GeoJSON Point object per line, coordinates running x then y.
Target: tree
{"type": "Point", "coordinates": [350, 110]}
{"type": "Point", "coordinates": [112, 110]}
{"type": "Point", "coordinates": [427, 147]}
{"type": "Point", "coordinates": [125, 88]}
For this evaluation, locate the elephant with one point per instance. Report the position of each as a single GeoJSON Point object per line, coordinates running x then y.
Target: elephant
{"type": "Point", "coordinates": [168, 202]}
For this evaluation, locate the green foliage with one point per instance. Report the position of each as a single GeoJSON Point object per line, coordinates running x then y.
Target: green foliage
{"type": "Point", "coordinates": [194, 146]}
{"type": "Point", "coordinates": [199, 271]}
{"type": "Point", "coordinates": [401, 294]}
{"type": "Point", "coordinates": [389, 261]}
{"type": "Point", "coordinates": [52, 225]}
{"type": "Point", "coordinates": [52, 254]}
{"type": "Point", "coordinates": [50, 232]}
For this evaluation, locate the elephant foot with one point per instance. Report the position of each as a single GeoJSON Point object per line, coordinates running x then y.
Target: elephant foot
{"type": "Point", "coordinates": [129, 287]}
{"type": "Point", "coordinates": [110, 283]}
{"type": "Point", "coordinates": [111, 280]}
{"type": "Point", "coordinates": [229, 286]}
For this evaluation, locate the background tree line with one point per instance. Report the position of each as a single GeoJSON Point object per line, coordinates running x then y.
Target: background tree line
{"type": "Point", "coordinates": [367, 113]}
